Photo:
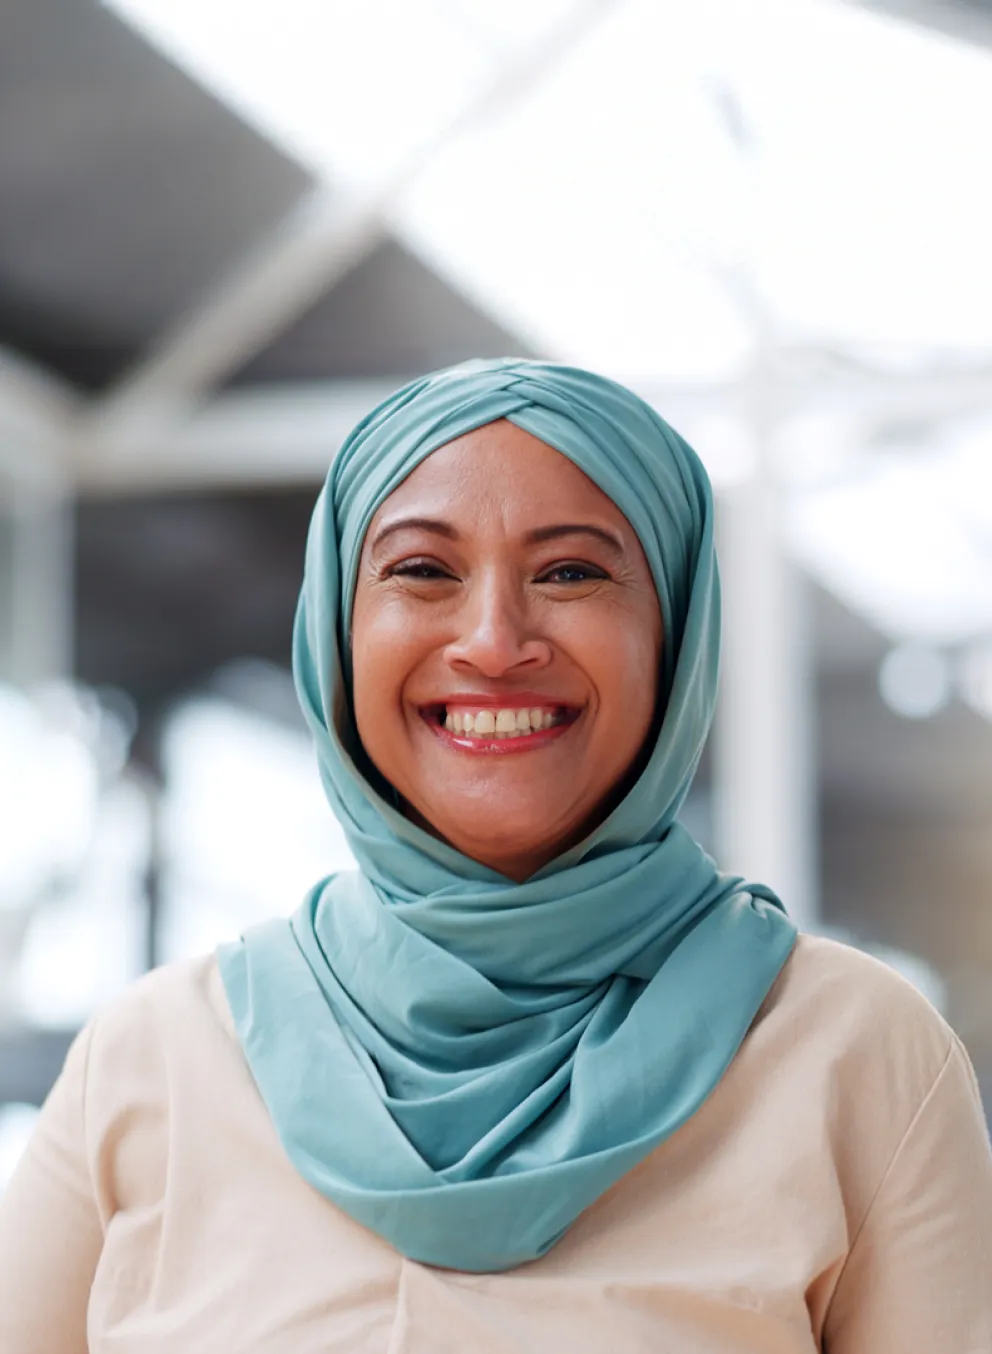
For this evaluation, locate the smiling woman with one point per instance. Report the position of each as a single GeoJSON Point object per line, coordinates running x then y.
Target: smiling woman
{"type": "Point", "coordinates": [504, 606]}
{"type": "Point", "coordinates": [537, 1075]}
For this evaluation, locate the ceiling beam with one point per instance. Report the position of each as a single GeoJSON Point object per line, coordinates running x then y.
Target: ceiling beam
{"type": "Point", "coordinates": [271, 435]}
{"type": "Point", "coordinates": [280, 435]}
{"type": "Point", "coordinates": [313, 248]}
{"type": "Point", "coordinates": [288, 434]}
{"type": "Point", "coordinates": [319, 242]}
{"type": "Point", "coordinates": [36, 407]}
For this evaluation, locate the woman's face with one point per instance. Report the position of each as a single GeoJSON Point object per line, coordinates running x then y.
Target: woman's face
{"type": "Point", "coordinates": [506, 643]}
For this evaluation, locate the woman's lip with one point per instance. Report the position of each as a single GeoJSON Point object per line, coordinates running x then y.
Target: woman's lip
{"type": "Point", "coordinates": [530, 742]}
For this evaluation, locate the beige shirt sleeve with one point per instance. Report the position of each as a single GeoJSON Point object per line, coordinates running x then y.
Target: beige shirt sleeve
{"type": "Point", "coordinates": [919, 1273]}
{"type": "Point", "coordinates": [50, 1229]}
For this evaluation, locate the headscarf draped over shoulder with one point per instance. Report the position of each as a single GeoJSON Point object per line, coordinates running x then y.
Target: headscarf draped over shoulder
{"type": "Point", "coordinates": [462, 1063]}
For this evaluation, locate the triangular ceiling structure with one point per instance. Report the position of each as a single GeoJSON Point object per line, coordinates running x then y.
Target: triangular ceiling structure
{"type": "Point", "coordinates": [715, 202]}
{"type": "Point", "coordinates": [129, 189]}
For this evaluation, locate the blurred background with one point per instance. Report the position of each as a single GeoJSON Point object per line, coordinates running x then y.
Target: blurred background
{"type": "Point", "coordinates": [228, 227]}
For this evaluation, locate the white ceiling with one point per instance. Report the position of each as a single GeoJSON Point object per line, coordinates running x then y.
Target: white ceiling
{"type": "Point", "coordinates": [671, 171]}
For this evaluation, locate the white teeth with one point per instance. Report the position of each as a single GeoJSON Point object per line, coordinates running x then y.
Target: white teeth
{"type": "Point", "coordinates": [505, 723]}
{"type": "Point", "coordinates": [485, 722]}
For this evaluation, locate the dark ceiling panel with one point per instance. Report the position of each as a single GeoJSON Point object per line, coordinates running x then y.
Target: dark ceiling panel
{"type": "Point", "coordinates": [968, 20]}
{"type": "Point", "coordinates": [125, 187]}
{"type": "Point", "coordinates": [170, 588]}
{"type": "Point", "coordinates": [391, 316]}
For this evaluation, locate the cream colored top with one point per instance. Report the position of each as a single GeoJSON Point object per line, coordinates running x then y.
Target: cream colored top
{"type": "Point", "coordinates": [834, 1193]}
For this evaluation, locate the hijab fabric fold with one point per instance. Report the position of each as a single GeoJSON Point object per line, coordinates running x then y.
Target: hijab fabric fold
{"type": "Point", "coordinates": [462, 1063]}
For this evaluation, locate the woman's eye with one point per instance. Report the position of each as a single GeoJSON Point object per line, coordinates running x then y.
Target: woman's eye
{"type": "Point", "coordinates": [418, 569]}
{"type": "Point", "coordinates": [572, 573]}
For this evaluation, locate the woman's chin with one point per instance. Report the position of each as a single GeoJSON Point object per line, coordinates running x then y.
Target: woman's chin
{"type": "Point", "coordinates": [522, 843]}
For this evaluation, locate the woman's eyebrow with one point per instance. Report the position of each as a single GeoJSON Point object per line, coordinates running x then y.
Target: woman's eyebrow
{"type": "Point", "coordinates": [433, 524]}
{"type": "Point", "coordinates": [439, 527]}
{"type": "Point", "coordinates": [552, 533]}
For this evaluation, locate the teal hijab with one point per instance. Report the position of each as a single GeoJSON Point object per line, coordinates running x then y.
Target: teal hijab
{"type": "Point", "coordinates": [461, 1063]}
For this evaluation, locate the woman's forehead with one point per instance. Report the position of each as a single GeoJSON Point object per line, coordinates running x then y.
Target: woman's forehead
{"type": "Point", "coordinates": [498, 470]}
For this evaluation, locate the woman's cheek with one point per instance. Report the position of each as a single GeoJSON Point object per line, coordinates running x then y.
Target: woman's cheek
{"type": "Point", "coordinates": [390, 642]}
{"type": "Point", "coordinates": [612, 641]}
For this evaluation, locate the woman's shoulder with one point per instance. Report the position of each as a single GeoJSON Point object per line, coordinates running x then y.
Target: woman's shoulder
{"type": "Point", "coordinates": [849, 1011]}
{"type": "Point", "coordinates": [172, 1015]}
{"type": "Point", "coordinates": [156, 1075]}
{"type": "Point", "coordinates": [823, 970]}
{"type": "Point", "coordinates": [187, 990]}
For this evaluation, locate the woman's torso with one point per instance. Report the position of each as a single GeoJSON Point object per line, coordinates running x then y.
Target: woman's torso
{"type": "Point", "coordinates": [729, 1239]}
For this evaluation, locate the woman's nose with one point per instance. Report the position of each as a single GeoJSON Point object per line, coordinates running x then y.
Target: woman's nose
{"type": "Point", "coordinates": [497, 635]}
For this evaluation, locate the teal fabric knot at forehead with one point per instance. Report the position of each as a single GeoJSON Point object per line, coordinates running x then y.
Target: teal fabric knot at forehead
{"type": "Point", "coordinates": [462, 1063]}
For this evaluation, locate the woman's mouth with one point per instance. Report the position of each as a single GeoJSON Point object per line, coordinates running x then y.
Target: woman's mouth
{"type": "Point", "coordinates": [476, 728]}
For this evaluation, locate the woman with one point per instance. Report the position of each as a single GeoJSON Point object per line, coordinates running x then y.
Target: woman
{"type": "Point", "coordinates": [537, 1076]}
